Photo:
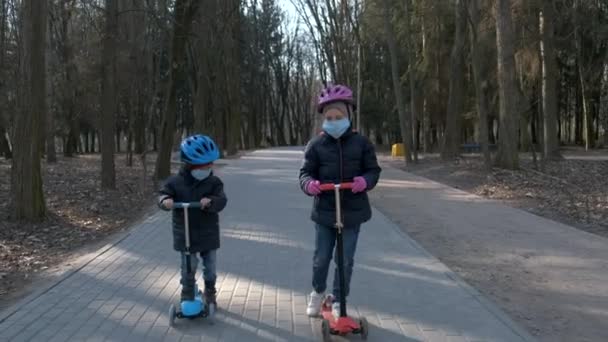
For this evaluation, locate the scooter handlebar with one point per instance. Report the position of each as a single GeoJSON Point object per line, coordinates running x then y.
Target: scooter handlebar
{"type": "Point", "coordinates": [340, 186]}
{"type": "Point", "coordinates": [181, 205]}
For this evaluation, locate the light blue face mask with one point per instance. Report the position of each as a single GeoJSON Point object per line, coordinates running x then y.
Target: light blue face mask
{"type": "Point", "coordinates": [336, 128]}
{"type": "Point", "coordinates": [200, 174]}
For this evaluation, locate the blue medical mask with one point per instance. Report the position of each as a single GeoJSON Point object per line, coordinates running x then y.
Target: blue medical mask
{"type": "Point", "coordinates": [336, 128]}
{"type": "Point", "coordinates": [200, 174]}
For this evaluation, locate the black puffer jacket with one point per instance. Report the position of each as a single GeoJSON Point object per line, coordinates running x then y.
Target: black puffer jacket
{"type": "Point", "coordinates": [204, 224]}
{"type": "Point", "coordinates": [332, 160]}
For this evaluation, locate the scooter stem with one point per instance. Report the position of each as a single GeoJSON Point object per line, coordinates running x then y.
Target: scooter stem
{"type": "Point", "coordinates": [339, 224]}
{"type": "Point", "coordinates": [187, 236]}
{"type": "Point", "coordinates": [186, 206]}
{"type": "Point", "coordinates": [187, 228]}
{"type": "Point", "coordinates": [340, 251]}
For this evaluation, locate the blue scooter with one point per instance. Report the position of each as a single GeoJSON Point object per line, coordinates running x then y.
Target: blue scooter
{"type": "Point", "coordinates": [196, 308]}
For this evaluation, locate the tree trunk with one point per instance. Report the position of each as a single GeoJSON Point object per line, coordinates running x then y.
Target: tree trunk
{"type": "Point", "coordinates": [184, 11]}
{"type": "Point", "coordinates": [232, 10]}
{"type": "Point", "coordinates": [140, 130]}
{"type": "Point", "coordinates": [583, 98]}
{"type": "Point", "coordinates": [26, 179]}
{"type": "Point", "coordinates": [403, 119]}
{"type": "Point", "coordinates": [5, 147]}
{"type": "Point", "coordinates": [524, 126]}
{"type": "Point", "coordinates": [3, 20]}
{"type": "Point", "coordinates": [51, 155]}
{"type": "Point", "coordinates": [411, 61]}
{"type": "Point", "coordinates": [549, 82]}
{"type": "Point", "coordinates": [604, 104]}
{"type": "Point", "coordinates": [480, 79]}
{"type": "Point", "coordinates": [426, 112]}
{"type": "Point", "coordinates": [117, 136]}
{"type": "Point", "coordinates": [203, 77]}
{"type": "Point", "coordinates": [129, 151]}
{"type": "Point", "coordinates": [508, 155]}
{"type": "Point", "coordinates": [108, 97]}
{"type": "Point", "coordinates": [155, 139]}
{"type": "Point", "coordinates": [71, 146]}
{"type": "Point", "coordinates": [453, 132]}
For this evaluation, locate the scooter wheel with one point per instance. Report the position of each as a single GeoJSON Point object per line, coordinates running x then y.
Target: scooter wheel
{"type": "Point", "coordinates": [325, 330]}
{"type": "Point", "coordinates": [172, 315]}
{"type": "Point", "coordinates": [364, 327]}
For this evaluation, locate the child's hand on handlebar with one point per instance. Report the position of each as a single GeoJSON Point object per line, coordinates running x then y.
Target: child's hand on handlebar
{"type": "Point", "coordinates": [205, 202]}
{"type": "Point", "coordinates": [359, 185]}
{"type": "Point", "coordinates": [313, 187]}
{"type": "Point", "coordinates": [168, 203]}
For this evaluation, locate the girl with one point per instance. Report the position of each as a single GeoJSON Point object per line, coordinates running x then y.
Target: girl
{"type": "Point", "coordinates": [337, 155]}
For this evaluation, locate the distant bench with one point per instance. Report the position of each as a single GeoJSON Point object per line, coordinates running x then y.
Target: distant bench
{"type": "Point", "coordinates": [475, 148]}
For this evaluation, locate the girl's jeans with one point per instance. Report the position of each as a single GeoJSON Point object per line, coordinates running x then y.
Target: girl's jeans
{"type": "Point", "coordinates": [188, 280]}
{"type": "Point", "coordinates": [325, 241]}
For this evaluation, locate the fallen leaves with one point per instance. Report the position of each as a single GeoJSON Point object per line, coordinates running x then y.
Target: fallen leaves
{"type": "Point", "coordinates": [79, 212]}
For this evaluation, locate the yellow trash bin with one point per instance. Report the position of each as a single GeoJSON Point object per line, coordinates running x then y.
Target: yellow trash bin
{"type": "Point", "coordinates": [397, 150]}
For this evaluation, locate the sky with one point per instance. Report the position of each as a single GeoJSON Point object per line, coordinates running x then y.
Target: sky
{"type": "Point", "coordinates": [292, 15]}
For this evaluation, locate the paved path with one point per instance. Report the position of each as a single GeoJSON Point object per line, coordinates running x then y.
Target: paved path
{"type": "Point", "coordinates": [265, 261]}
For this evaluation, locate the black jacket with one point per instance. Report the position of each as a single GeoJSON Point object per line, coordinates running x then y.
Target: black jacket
{"type": "Point", "coordinates": [332, 160]}
{"type": "Point", "coordinates": [204, 224]}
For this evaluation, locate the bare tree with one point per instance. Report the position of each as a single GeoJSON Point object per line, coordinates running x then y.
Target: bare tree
{"type": "Point", "coordinates": [51, 155]}
{"type": "Point", "coordinates": [108, 98]}
{"type": "Point", "coordinates": [26, 179]}
{"type": "Point", "coordinates": [185, 10]}
{"type": "Point", "coordinates": [392, 47]}
{"type": "Point", "coordinates": [578, 38]}
{"type": "Point", "coordinates": [5, 149]}
{"type": "Point", "coordinates": [508, 154]}
{"type": "Point", "coordinates": [480, 72]}
{"type": "Point", "coordinates": [453, 137]}
{"type": "Point", "coordinates": [549, 81]}
{"type": "Point", "coordinates": [412, 78]}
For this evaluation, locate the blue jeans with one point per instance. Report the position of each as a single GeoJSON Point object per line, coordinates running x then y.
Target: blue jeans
{"type": "Point", "coordinates": [188, 281]}
{"type": "Point", "coordinates": [325, 241]}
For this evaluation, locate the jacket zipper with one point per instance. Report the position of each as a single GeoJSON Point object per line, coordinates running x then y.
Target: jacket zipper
{"type": "Point", "coordinates": [341, 161]}
{"type": "Point", "coordinates": [341, 173]}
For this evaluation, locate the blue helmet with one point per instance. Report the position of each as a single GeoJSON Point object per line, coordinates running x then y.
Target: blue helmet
{"type": "Point", "coordinates": [198, 150]}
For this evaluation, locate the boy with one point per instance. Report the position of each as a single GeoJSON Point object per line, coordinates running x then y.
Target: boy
{"type": "Point", "coordinates": [196, 182]}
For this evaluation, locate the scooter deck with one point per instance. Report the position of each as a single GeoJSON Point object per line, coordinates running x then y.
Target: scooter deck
{"type": "Point", "coordinates": [341, 325]}
{"type": "Point", "coordinates": [204, 313]}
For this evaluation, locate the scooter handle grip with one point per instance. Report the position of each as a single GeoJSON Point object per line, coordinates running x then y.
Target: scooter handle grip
{"type": "Point", "coordinates": [181, 205]}
{"type": "Point", "coordinates": [332, 186]}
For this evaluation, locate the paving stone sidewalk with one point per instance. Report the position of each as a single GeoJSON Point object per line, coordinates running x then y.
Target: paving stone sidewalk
{"type": "Point", "coordinates": [124, 293]}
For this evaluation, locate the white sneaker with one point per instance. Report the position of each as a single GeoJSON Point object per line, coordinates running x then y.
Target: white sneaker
{"type": "Point", "coordinates": [335, 309]}
{"type": "Point", "coordinates": [314, 304]}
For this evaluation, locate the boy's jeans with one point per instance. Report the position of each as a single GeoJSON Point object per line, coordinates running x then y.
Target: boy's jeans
{"type": "Point", "coordinates": [209, 273]}
{"type": "Point", "coordinates": [325, 240]}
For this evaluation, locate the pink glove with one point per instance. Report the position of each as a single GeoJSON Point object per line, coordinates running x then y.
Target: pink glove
{"type": "Point", "coordinates": [313, 187]}
{"type": "Point", "coordinates": [359, 185]}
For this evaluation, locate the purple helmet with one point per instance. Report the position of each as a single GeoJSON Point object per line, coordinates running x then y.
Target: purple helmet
{"type": "Point", "coordinates": [335, 93]}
